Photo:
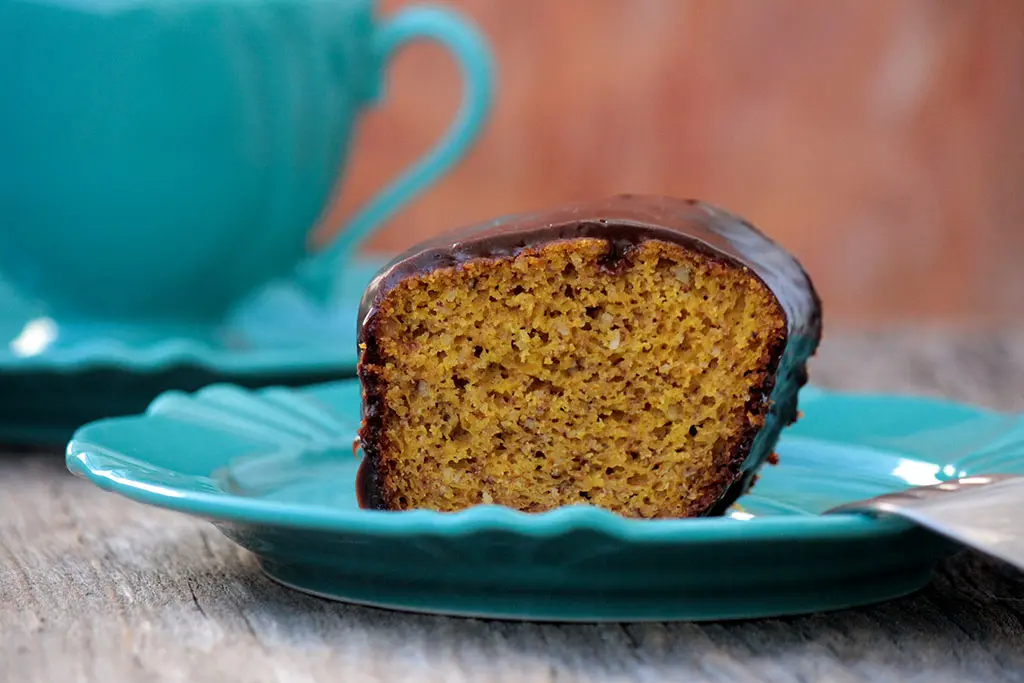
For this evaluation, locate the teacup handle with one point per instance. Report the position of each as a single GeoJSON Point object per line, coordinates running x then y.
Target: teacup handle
{"type": "Point", "coordinates": [474, 59]}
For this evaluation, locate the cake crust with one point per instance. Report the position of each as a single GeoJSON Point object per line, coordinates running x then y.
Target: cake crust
{"type": "Point", "coordinates": [622, 224]}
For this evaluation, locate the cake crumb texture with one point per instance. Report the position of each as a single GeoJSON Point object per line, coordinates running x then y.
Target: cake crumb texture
{"type": "Point", "coordinates": [560, 376]}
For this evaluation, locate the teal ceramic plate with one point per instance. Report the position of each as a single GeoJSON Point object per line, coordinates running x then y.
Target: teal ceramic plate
{"type": "Point", "coordinates": [55, 377]}
{"type": "Point", "coordinates": [274, 470]}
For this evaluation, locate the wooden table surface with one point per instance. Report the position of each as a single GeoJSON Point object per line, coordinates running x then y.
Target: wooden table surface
{"type": "Point", "coordinates": [96, 588]}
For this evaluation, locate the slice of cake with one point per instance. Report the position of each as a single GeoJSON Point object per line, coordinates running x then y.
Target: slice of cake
{"type": "Point", "coordinates": [640, 354]}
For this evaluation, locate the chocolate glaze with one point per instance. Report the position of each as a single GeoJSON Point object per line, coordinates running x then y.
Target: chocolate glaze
{"type": "Point", "coordinates": [624, 221]}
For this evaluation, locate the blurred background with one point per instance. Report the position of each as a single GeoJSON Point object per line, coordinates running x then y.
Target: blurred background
{"type": "Point", "coordinates": [881, 141]}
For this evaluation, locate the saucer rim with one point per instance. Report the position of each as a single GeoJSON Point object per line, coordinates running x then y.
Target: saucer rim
{"type": "Point", "coordinates": [183, 353]}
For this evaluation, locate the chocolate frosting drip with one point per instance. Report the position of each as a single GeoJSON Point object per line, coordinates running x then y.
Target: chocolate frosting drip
{"type": "Point", "coordinates": [624, 221]}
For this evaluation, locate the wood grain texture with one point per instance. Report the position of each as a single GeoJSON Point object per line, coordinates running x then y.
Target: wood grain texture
{"type": "Point", "coordinates": [880, 141]}
{"type": "Point", "coordinates": [96, 588]}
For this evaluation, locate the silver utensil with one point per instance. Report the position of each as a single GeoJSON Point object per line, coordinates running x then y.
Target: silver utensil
{"type": "Point", "coordinates": [983, 512]}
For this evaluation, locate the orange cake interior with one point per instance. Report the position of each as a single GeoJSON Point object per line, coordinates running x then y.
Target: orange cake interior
{"type": "Point", "coordinates": [548, 378]}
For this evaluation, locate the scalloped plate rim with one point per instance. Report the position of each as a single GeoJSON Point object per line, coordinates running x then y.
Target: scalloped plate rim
{"type": "Point", "coordinates": [225, 507]}
{"type": "Point", "coordinates": [100, 466]}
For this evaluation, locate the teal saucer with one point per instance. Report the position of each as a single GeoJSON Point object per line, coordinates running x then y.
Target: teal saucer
{"type": "Point", "coordinates": [274, 470]}
{"type": "Point", "coordinates": [56, 375]}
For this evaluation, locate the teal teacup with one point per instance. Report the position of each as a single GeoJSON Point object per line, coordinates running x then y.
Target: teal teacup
{"type": "Point", "coordinates": [159, 159]}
